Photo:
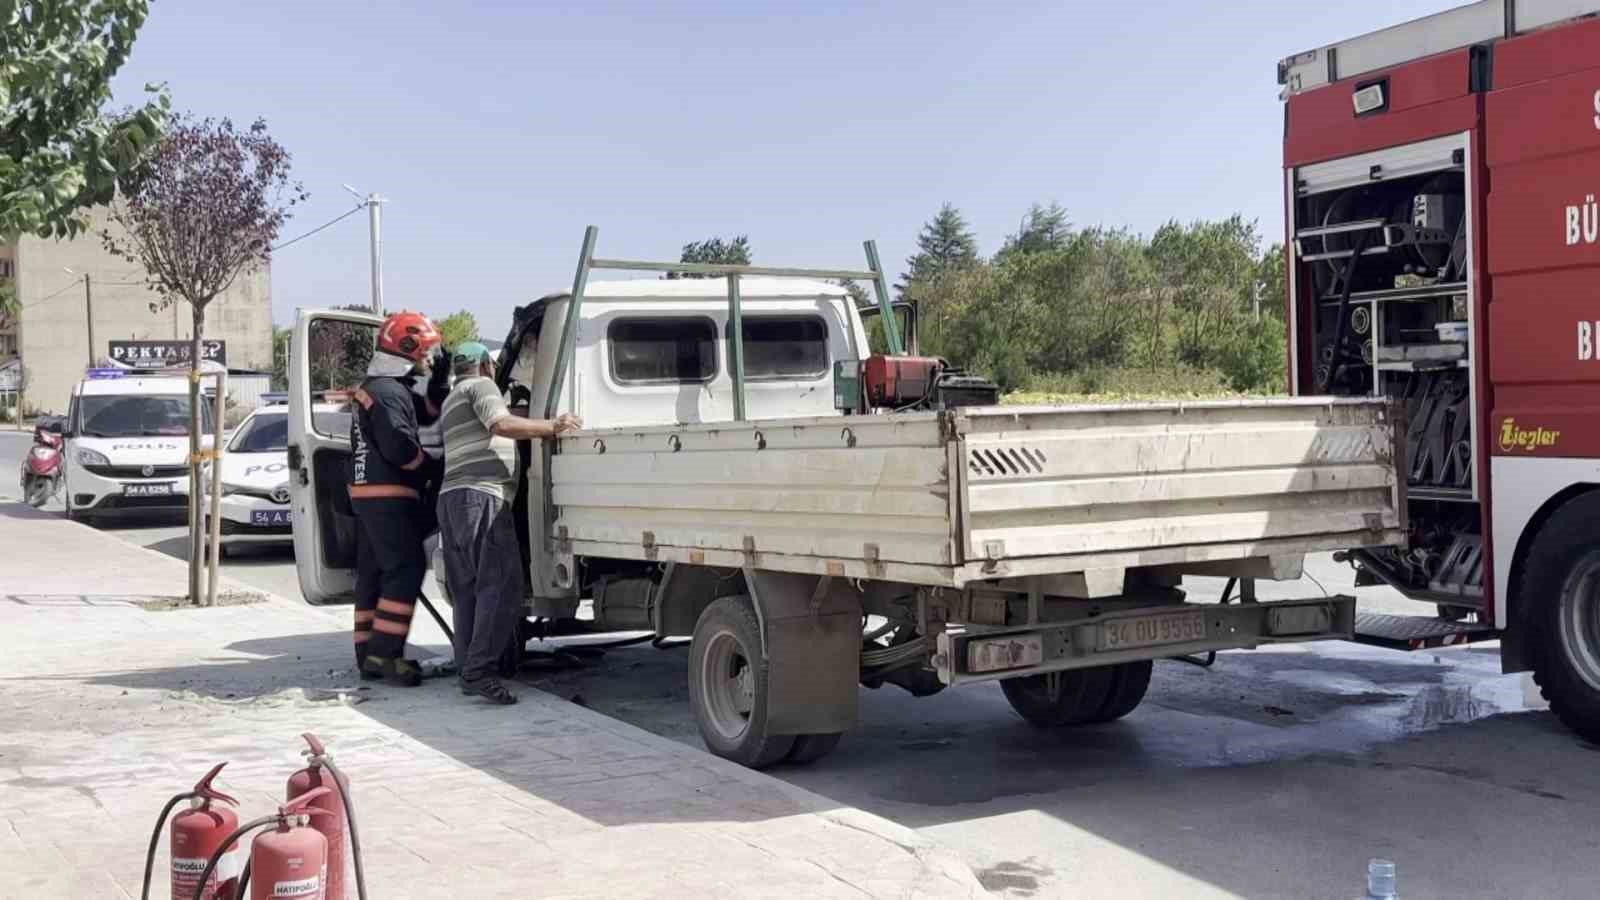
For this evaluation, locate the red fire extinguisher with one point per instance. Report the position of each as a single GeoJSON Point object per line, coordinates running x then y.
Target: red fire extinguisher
{"type": "Point", "coordinates": [198, 834]}
{"type": "Point", "coordinates": [290, 862]}
{"type": "Point", "coordinates": [320, 772]}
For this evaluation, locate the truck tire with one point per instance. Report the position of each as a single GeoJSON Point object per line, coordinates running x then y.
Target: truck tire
{"type": "Point", "coordinates": [1560, 593]}
{"type": "Point", "coordinates": [808, 748]}
{"type": "Point", "coordinates": [728, 686]}
{"type": "Point", "coordinates": [1129, 682]}
{"type": "Point", "coordinates": [1060, 699]}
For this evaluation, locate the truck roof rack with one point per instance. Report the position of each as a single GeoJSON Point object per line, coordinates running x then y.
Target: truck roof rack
{"type": "Point", "coordinates": [1464, 26]}
{"type": "Point", "coordinates": [588, 262]}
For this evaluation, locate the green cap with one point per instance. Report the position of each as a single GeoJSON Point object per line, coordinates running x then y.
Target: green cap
{"type": "Point", "coordinates": [469, 353]}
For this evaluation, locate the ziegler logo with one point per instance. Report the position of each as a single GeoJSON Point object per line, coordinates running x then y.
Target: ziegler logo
{"type": "Point", "coordinates": [1525, 439]}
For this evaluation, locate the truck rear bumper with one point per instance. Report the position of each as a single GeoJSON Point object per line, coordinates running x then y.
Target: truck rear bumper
{"type": "Point", "coordinates": [971, 653]}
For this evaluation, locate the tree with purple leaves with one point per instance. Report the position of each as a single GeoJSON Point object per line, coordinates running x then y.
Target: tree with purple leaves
{"type": "Point", "coordinates": [207, 205]}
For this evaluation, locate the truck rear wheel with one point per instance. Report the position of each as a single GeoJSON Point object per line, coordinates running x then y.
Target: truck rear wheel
{"type": "Point", "coordinates": [1560, 586]}
{"type": "Point", "coordinates": [1129, 682]}
{"type": "Point", "coordinates": [728, 686]}
{"type": "Point", "coordinates": [1060, 699]}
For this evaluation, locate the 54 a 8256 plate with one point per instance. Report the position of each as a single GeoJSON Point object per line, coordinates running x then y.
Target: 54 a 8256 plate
{"type": "Point", "coordinates": [1151, 631]}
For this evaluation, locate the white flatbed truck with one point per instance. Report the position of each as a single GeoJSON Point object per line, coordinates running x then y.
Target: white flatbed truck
{"type": "Point", "coordinates": [736, 483]}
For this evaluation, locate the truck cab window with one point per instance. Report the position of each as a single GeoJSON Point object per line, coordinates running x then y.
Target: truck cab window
{"type": "Point", "coordinates": [663, 350]}
{"type": "Point", "coordinates": [785, 347]}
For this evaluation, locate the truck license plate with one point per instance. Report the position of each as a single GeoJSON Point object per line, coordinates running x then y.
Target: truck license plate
{"type": "Point", "coordinates": [270, 517]}
{"type": "Point", "coordinates": [1152, 631]}
{"type": "Point", "coordinates": [163, 489]}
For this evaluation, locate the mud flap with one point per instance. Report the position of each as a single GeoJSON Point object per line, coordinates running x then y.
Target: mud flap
{"type": "Point", "coordinates": [811, 631]}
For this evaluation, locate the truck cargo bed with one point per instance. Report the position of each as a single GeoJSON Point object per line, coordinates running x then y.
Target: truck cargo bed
{"type": "Point", "coordinates": [950, 498]}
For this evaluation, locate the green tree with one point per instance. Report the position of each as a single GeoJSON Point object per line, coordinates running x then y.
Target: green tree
{"type": "Point", "coordinates": [280, 358]}
{"type": "Point", "coordinates": [10, 309]}
{"type": "Point", "coordinates": [59, 151]}
{"type": "Point", "coordinates": [1208, 276]}
{"type": "Point", "coordinates": [945, 245]}
{"type": "Point", "coordinates": [458, 327]}
{"type": "Point", "coordinates": [1271, 290]}
{"type": "Point", "coordinates": [734, 251]}
{"type": "Point", "coordinates": [1042, 228]}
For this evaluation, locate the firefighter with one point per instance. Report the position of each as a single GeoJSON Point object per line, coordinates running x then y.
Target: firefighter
{"type": "Point", "coordinates": [389, 472]}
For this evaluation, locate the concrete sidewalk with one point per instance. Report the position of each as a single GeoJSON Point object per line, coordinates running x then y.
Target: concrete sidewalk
{"type": "Point", "coordinates": [108, 709]}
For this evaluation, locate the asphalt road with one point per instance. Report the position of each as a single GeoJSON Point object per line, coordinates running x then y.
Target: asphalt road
{"type": "Point", "coordinates": [1273, 773]}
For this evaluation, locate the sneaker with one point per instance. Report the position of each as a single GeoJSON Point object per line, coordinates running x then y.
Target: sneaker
{"type": "Point", "coordinates": [489, 688]}
{"type": "Point", "coordinates": [401, 672]}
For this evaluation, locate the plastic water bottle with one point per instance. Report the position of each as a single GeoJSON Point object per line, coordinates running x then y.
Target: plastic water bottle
{"type": "Point", "coordinates": [1380, 880]}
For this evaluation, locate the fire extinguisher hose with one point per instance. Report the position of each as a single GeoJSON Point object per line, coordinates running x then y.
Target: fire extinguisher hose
{"type": "Point", "coordinates": [222, 849]}
{"type": "Point", "coordinates": [155, 838]}
{"type": "Point", "coordinates": [350, 822]}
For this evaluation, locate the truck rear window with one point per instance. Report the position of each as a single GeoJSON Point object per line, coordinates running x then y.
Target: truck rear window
{"type": "Point", "coordinates": [785, 347]}
{"type": "Point", "coordinates": [663, 351]}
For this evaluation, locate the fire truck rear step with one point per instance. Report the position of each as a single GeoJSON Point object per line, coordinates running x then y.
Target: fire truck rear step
{"type": "Point", "coordinates": [1418, 632]}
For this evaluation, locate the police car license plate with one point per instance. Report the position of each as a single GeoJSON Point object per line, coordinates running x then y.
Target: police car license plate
{"type": "Point", "coordinates": [270, 517]}
{"type": "Point", "coordinates": [162, 489]}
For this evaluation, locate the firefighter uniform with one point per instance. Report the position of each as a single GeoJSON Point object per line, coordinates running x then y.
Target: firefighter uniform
{"type": "Point", "coordinates": [388, 474]}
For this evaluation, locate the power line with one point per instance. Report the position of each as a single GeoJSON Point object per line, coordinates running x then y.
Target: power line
{"type": "Point", "coordinates": [321, 227]}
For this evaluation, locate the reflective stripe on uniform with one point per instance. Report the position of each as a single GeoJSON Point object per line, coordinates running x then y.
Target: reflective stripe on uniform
{"type": "Point", "coordinates": [388, 627]}
{"type": "Point", "coordinates": [396, 607]}
{"type": "Point", "coordinates": [382, 491]}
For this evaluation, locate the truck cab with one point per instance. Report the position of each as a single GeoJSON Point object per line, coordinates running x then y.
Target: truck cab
{"type": "Point", "coordinates": [648, 352]}
{"type": "Point", "coordinates": [127, 443]}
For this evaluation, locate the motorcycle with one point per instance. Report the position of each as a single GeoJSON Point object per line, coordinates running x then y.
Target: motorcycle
{"type": "Point", "coordinates": [42, 466]}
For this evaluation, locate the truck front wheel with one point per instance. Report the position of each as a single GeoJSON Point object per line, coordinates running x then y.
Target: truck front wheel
{"type": "Point", "coordinates": [1560, 586]}
{"type": "Point", "coordinates": [728, 686]}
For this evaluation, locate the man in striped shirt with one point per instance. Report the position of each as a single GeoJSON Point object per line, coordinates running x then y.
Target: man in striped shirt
{"type": "Point", "coordinates": [482, 560]}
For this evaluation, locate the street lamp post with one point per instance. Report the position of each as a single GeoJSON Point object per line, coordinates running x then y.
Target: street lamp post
{"type": "Point", "coordinates": [374, 204]}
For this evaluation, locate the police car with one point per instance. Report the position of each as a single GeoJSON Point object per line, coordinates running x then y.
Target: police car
{"type": "Point", "coordinates": [255, 474]}
{"type": "Point", "coordinates": [127, 443]}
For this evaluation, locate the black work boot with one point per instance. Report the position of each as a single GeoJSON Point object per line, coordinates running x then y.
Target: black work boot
{"type": "Point", "coordinates": [401, 672]}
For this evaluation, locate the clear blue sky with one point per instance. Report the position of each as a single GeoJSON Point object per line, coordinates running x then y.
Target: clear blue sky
{"type": "Point", "coordinates": [500, 129]}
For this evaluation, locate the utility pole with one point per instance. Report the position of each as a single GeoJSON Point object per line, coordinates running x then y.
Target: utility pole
{"type": "Point", "coordinates": [374, 204]}
{"type": "Point", "coordinates": [88, 309]}
{"type": "Point", "coordinates": [375, 219]}
{"type": "Point", "coordinates": [88, 313]}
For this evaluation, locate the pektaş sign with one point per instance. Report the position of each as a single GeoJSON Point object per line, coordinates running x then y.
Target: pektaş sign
{"type": "Point", "coordinates": [164, 354]}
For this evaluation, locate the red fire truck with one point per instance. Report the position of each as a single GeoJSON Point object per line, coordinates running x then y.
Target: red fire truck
{"type": "Point", "coordinates": [1442, 192]}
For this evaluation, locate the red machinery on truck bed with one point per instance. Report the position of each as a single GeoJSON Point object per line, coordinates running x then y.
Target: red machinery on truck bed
{"type": "Point", "coordinates": [1441, 181]}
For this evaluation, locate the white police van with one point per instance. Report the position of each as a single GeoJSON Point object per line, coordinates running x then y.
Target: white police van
{"type": "Point", "coordinates": [127, 443]}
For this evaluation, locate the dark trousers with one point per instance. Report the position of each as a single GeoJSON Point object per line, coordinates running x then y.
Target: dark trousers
{"type": "Point", "coordinates": [390, 566]}
{"type": "Point", "coordinates": [483, 566]}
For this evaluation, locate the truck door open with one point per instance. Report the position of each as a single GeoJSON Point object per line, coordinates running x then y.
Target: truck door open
{"type": "Point", "coordinates": [328, 355]}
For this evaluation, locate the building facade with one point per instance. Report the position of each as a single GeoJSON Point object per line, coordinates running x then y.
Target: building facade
{"type": "Point", "coordinates": [51, 334]}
